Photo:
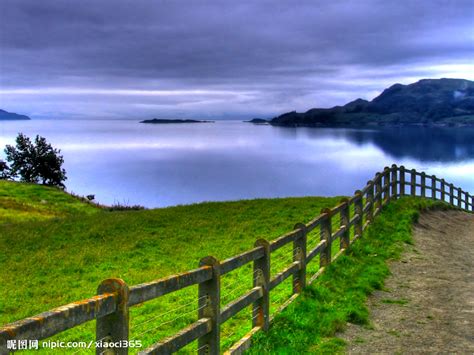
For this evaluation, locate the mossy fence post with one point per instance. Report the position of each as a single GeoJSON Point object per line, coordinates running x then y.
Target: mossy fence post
{"type": "Point", "coordinates": [114, 327]}
{"type": "Point", "coordinates": [209, 307]}
{"type": "Point", "coordinates": [451, 194]}
{"type": "Point", "coordinates": [386, 185]}
{"type": "Point", "coordinates": [370, 200]}
{"type": "Point", "coordinates": [433, 187]}
{"type": "Point", "coordinates": [299, 254]}
{"type": "Point", "coordinates": [413, 182]}
{"type": "Point", "coordinates": [423, 185]}
{"type": "Point", "coordinates": [358, 210]}
{"type": "Point", "coordinates": [345, 218]}
{"type": "Point", "coordinates": [261, 277]}
{"type": "Point", "coordinates": [443, 190]}
{"type": "Point", "coordinates": [378, 191]}
{"type": "Point", "coordinates": [394, 182]}
{"type": "Point", "coordinates": [402, 181]}
{"type": "Point", "coordinates": [325, 258]}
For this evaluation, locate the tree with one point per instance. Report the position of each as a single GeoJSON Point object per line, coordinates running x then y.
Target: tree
{"type": "Point", "coordinates": [36, 162]}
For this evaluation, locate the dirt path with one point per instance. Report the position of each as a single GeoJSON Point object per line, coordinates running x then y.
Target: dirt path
{"type": "Point", "coordinates": [428, 305]}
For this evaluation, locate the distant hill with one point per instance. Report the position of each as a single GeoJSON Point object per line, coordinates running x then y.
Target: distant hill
{"type": "Point", "coordinates": [429, 102]}
{"type": "Point", "coordinates": [167, 121]}
{"type": "Point", "coordinates": [4, 115]}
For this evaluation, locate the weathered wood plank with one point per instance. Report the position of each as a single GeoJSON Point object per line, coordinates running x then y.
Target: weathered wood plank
{"type": "Point", "coordinates": [316, 251]}
{"type": "Point", "coordinates": [240, 303]}
{"type": "Point", "coordinates": [283, 240]}
{"type": "Point", "coordinates": [315, 222]}
{"type": "Point", "coordinates": [243, 344]}
{"type": "Point", "coordinates": [338, 233]}
{"type": "Point", "coordinates": [282, 276]}
{"type": "Point", "coordinates": [181, 339]}
{"type": "Point", "coordinates": [59, 319]}
{"type": "Point", "coordinates": [150, 290]}
{"type": "Point", "coordinates": [237, 261]}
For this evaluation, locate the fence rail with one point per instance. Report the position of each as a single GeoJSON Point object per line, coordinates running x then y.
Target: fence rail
{"type": "Point", "coordinates": [110, 308]}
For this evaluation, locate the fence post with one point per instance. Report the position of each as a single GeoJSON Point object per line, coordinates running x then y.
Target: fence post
{"type": "Point", "coordinates": [370, 199]}
{"type": "Point", "coordinates": [261, 272]}
{"type": "Point", "coordinates": [402, 180]}
{"type": "Point", "coordinates": [378, 191]}
{"type": "Point", "coordinates": [209, 307]}
{"type": "Point", "coordinates": [114, 327]}
{"type": "Point", "coordinates": [413, 182]}
{"type": "Point", "coordinates": [299, 254]}
{"type": "Point", "coordinates": [386, 185]}
{"type": "Point", "coordinates": [433, 187]}
{"type": "Point", "coordinates": [394, 181]}
{"type": "Point", "coordinates": [345, 218]}
{"type": "Point", "coordinates": [423, 184]}
{"type": "Point", "coordinates": [451, 194]}
{"type": "Point", "coordinates": [459, 197]}
{"type": "Point", "coordinates": [359, 210]}
{"type": "Point", "coordinates": [443, 190]}
{"type": "Point", "coordinates": [326, 234]}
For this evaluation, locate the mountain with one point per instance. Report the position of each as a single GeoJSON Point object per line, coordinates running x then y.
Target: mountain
{"type": "Point", "coordinates": [429, 102]}
{"type": "Point", "coordinates": [4, 115]}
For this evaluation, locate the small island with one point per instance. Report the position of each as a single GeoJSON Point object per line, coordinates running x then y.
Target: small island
{"type": "Point", "coordinates": [258, 121]}
{"type": "Point", "coordinates": [168, 121]}
{"type": "Point", "coordinates": [10, 116]}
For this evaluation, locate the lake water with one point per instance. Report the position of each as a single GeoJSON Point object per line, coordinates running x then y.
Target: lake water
{"type": "Point", "coordinates": [130, 163]}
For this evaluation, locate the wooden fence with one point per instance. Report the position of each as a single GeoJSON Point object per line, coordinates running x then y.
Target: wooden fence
{"type": "Point", "coordinates": [110, 308]}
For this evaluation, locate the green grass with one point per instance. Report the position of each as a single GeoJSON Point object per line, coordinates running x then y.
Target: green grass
{"type": "Point", "coordinates": [56, 249]}
{"type": "Point", "coordinates": [339, 296]}
{"type": "Point", "coordinates": [390, 301]}
{"type": "Point", "coordinates": [29, 202]}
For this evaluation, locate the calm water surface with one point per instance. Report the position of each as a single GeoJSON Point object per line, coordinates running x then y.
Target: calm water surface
{"type": "Point", "coordinates": [161, 165]}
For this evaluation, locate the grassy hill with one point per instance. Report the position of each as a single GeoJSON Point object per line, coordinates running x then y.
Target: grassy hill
{"type": "Point", "coordinates": [57, 249]}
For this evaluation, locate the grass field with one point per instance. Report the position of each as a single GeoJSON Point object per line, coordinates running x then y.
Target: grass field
{"type": "Point", "coordinates": [56, 249]}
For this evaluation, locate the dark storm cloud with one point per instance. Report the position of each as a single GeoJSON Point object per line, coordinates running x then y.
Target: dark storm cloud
{"type": "Point", "coordinates": [259, 57]}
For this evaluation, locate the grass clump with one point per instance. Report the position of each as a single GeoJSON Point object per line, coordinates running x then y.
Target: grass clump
{"type": "Point", "coordinates": [339, 296]}
{"type": "Point", "coordinates": [390, 301]}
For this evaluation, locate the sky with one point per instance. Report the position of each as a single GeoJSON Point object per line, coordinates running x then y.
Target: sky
{"type": "Point", "coordinates": [137, 59]}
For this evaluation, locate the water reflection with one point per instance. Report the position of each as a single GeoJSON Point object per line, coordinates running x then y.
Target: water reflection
{"type": "Point", "coordinates": [426, 145]}
{"type": "Point", "coordinates": [422, 144]}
